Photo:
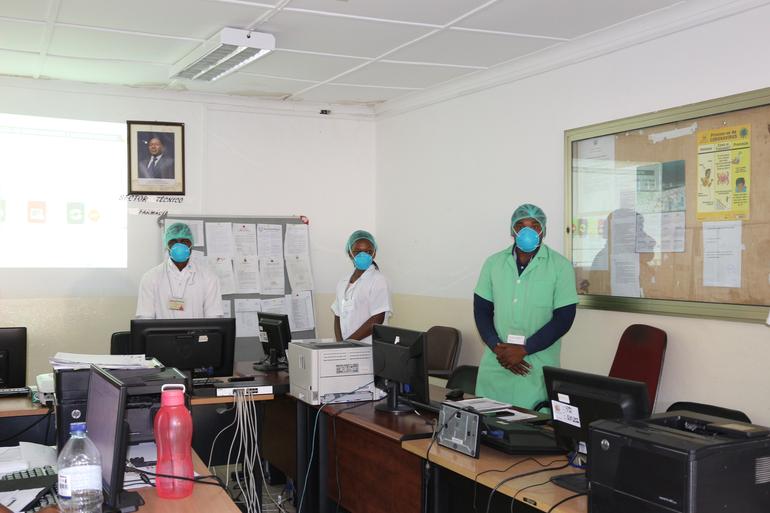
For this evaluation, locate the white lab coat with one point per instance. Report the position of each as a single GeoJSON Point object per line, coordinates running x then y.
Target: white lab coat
{"type": "Point", "coordinates": [196, 284]}
{"type": "Point", "coordinates": [355, 304]}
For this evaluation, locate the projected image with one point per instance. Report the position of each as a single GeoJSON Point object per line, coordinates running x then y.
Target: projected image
{"type": "Point", "coordinates": [61, 182]}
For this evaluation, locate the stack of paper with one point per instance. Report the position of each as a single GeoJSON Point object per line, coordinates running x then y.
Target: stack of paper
{"type": "Point", "coordinates": [84, 361]}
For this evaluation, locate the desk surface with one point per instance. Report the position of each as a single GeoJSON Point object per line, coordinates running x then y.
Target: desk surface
{"type": "Point", "coordinates": [543, 497]}
{"type": "Point", "coordinates": [19, 407]}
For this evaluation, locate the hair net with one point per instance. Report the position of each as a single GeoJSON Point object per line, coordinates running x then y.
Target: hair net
{"type": "Point", "coordinates": [528, 210]}
{"type": "Point", "coordinates": [177, 231]}
{"type": "Point", "coordinates": [359, 235]}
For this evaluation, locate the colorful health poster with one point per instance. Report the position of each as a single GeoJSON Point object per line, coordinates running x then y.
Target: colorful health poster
{"type": "Point", "coordinates": [724, 173]}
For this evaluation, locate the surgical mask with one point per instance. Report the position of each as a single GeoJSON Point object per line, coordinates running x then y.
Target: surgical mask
{"type": "Point", "coordinates": [179, 253]}
{"type": "Point", "coordinates": [527, 239]}
{"type": "Point", "coordinates": [362, 261]}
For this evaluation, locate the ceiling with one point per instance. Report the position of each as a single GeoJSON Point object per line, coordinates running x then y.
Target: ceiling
{"type": "Point", "coordinates": [330, 51]}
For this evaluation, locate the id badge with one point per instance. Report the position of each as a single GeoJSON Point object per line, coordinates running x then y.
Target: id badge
{"type": "Point", "coordinates": [176, 304]}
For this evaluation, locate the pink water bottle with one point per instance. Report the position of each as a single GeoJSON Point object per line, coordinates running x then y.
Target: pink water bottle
{"type": "Point", "coordinates": [173, 436]}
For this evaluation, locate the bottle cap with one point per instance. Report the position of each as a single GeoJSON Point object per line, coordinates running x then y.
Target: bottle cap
{"type": "Point", "coordinates": [172, 395]}
{"type": "Point", "coordinates": [78, 427]}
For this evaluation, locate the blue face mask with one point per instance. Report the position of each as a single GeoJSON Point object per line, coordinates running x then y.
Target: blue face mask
{"type": "Point", "coordinates": [527, 239]}
{"type": "Point", "coordinates": [362, 261]}
{"type": "Point", "coordinates": [179, 253]}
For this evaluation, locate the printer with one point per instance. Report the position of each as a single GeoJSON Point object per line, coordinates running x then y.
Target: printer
{"type": "Point", "coordinates": [679, 462]}
{"type": "Point", "coordinates": [143, 398]}
{"type": "Point", "coordinates": [325, 372]}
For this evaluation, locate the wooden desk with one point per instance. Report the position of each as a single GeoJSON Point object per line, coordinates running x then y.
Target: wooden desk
{"type": "Point", "coordinates": [19, 415]}
{"type": "Point", "coordinates": [20, 407]}
{"type": "Point", "coordinates": [539, 497]}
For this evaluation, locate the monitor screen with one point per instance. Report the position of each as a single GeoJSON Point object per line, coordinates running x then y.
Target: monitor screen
{"type": "Point", "coordinates": [278, 332]}
{"type": "Point", "coordinates": [399, 355]}
{"type": "Point", "coordinates": [205, 347]}
{"type": "Point", "coordinates": [13, 357]}
{"type": "Point", "coordinates": [107, 429]}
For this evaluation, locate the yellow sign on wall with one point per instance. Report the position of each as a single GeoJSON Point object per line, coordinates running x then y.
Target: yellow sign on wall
{"type": "Point", "coordinates": [724, 173]}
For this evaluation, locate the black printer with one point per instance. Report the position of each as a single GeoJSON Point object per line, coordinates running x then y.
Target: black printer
{"type": "Point", "coordinates": [680, 462]}
{"type": "Point", "coordinates": [143, 401]}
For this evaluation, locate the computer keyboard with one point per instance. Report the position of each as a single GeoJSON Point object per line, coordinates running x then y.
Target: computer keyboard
{"type": "Point", "coordinates": [12, 392]}
{"type": "Point", "coordinates": [37, 477]}
{"type": "Point", "coordinates": [47, 470]}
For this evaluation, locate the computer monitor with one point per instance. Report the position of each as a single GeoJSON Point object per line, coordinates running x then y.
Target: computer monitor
{"type": "Point", "coordinates": [108, 430]}
{"type": "Point", "coordinates": [13, 357]}
{"type": "Point", "coordinates": [578, 399]}
{"type": "Point", "coordinates": [278, 332]}
{"type": "Point", "coordinates": [399, 356]}
{"type": "Point", "coordinates": [204, 347]}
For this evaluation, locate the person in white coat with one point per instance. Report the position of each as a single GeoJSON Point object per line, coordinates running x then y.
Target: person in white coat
{"type": "Point", "coordinates": [179, 288]}
{"type": "Point", "coordinates": [363, 298]}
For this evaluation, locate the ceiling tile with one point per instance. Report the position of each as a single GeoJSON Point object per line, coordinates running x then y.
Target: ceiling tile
{"type": "Point", "coordinates": [344, 94]}
{"type": "Point", "coordinates": [125, 73]}
{"type": "Point", "coordinates": [26, 37]}
{"type": "Point", "coordinates": [438, 12]}
{"type": "Point", "coordinates": [187, 18]}
{"type": "Point", "coordinates": [71, 42]}
{"type": "Point", "coordinates": [301, 66]}
{"type": "Point", "coordinates": [558, 18]}
{"type": "Point", "coordinates": [402, 75]}
{"type": "Point", "coordinates": [469, 48]}
{"type": "Point", "coordinates": [343, 36]}
{"type": "Point", "coordinates": [248, 85]}
{"type": "Point", "coordinates": [20, 64]}
{"type": "Point", "coordinates": [26, 9]}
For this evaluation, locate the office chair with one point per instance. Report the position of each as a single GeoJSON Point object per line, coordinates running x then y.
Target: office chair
{"type": "Point", "coordinates": [120, 342]}
{"type": "Point", "coordinates": [639, 357]}
{"type": "Point", "coordinates": [443, 350]}
{"type": "Point", "coordinates": [710, 409]}
{"type": "Point", "coordinates": [464, 378]}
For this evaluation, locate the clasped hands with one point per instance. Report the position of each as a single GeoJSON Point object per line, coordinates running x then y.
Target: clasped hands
{"type": "Point", "coordinates": [511, 357]}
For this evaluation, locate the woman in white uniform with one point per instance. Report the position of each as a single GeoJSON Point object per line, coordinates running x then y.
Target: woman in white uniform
{"type": "Point", "coordinates": [363, 298]}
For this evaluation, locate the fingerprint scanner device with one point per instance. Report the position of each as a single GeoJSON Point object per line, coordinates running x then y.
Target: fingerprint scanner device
{"type": "Point", "coordinates": [325, 372]}
{"type": "Point", "coordinates": [459, 429]}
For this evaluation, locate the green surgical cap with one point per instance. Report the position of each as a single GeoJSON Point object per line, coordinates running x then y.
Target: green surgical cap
{"type": "Point", "coordinates": [177, 231]}
{"type": "Point", "coordinates": [528, 210]}
{"type": "Point", "coordinates": [359, 235]}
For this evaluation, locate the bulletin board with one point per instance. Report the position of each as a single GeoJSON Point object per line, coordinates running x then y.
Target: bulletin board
{"type": "Point", "coordinates": [669, 212]}
{"type": "Point", "coordinates": [249, 348]}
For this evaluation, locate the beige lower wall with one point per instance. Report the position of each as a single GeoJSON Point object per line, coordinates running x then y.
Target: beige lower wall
{"type": "Point", "coordinates": [708, 361]}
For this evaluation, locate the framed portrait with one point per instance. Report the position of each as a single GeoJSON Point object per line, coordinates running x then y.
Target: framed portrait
{"type": "Point", "coordinates": [155, 158]}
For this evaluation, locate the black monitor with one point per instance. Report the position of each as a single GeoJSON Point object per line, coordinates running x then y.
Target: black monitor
{"type": "Point", "coordinates": [108, 430]}
{"type": "Point", "coordinates": [278, 332]}
{"type": "Point", "coordinates": [399, 356]}
{"type": "Point", "coordinates": [13, 357]}
{"type": "Point", "coordinates": [204, 347]}
{"type": "Point", "coordinates": [578, 399]}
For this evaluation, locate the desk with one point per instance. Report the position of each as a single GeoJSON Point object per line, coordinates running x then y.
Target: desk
{"type": "Point", "coordinates": [17, 414]}
{"type": "Point", "coordinates": [538, 498]}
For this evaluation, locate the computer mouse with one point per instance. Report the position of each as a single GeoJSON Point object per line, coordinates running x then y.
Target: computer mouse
{"type": "Point", "coordinates": [455, 394]}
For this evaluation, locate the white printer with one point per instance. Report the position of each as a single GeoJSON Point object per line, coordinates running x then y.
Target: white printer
{"type": "Point", "coordinates": [325, 372]}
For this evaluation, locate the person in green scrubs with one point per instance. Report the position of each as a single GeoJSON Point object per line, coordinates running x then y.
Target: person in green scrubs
{"type": "Point", "coordinates": [524, 302]}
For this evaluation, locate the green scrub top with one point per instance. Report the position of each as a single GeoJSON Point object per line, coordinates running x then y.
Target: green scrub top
{"type": "Point", "coordinates": [523, 304]}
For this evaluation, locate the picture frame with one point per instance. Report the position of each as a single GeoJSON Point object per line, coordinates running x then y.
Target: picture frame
{"type": "Point", "coordinates": [155, 158]}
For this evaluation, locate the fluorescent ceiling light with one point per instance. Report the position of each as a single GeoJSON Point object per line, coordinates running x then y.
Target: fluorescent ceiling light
{"type": "Point", "coordinates": [224, 53]}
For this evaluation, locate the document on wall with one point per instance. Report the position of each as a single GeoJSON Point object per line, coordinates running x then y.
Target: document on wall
{"type": "Point", "coordinates": [298, 270]}
{"type": "Point", "coordinates": [722, 254]}
{"type": "Point", "coordinates": [223, 268]}
{"type": "Point", "coordinates": [300, 307]}
{"type": "Point", "coordinates": [196, 227]}
{"type": "Point", "coordinates": [247, 274]}
{"type": "Point", "coordinates": [624, 263]}
{"type": "Point", "coordinates": [271, 276]}
{"type": "Point", "coordinates": [199, 256]}
{"type": "Point", "coordinates": [220, 240]}
{"type": "Point", "coordinates": [274, 306]}
{"type": "Point", "coordinates": [246, 320]}
{"type": "Point", "coordinates": [245, 238]}
{"type": "Point", "coordinates": [269, 240]}
{"type": "Point", "coordinates": [227, 308]}
{"type": "Point", "coordinates": [296, 242]}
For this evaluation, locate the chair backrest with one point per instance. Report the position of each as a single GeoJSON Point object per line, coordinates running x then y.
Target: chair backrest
{"type": "Point", "coordinates": [639, 357]}
{"type": "Point", "coordinates": [443, 349]}
{"type": "Point", "coordinates": [710, 409]}
{"type": "Point", "coordinates": [464, 378]}
{"type": "Point", "coordinates": [120, 342]}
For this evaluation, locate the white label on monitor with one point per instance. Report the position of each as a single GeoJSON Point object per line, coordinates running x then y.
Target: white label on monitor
{"type": "Point", "coordinates": [582, 448]}
{"type": "Point", "coordinates": [565, 413]}
{"type": "Point", "coordinates": [563, 398]}
{"type": "Point", "coordinates": [203, 338]}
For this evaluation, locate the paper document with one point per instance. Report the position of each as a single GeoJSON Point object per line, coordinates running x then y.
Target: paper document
{"type": "Point", "coordinates": [246, 320]}
{"type": "Point", "coordinates": [269, 240]}
{"type": "Point", "coordinates": [296, 242]}
{"type": "Point", "coordinates": [300, 307]}
{"type": "Point", "coordinates": [84, 361]}
{"type": "Point", "coordinates": [142, 454]}
{"type": "Point", "coordinates": [511, 415]}
{"type": "Point", "coordinates": [223, 268]}
{"type": "Point", "coordinates": [271, 276]}
{"type": "Point", "coordinates": [722, 254]}
{"type": "Point", "coordinates": [298, 271]}
{"type": "Point", "coordinates": [247, 274]}
{"type": "Point", "coordinates": [220, 240]}
{"type": "Point", "coordinates": [196, 227]}
{"type": "Point", "coordinates": [624, 263]}
{"type": "Point", "coordinates": [227, 308]}
{"type": "Point", "coordinates": [480, 404]}
{"type": "Point", "coordinates": [245, 238]}
{"type": "Point", "coordinates": [274, 306]}
{"type": "Point", "coordinates": [38, 455]}
{"type": "Point", "coordinates": [17, 500]}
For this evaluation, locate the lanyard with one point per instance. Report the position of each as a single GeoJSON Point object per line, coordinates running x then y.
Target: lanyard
{"type": "Point", "coordinates": [171, 287]}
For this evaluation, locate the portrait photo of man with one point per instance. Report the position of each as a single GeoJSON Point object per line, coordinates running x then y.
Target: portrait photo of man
{"type": "Point", "coordinates": [155, 157]}
{"type": "Point", "coordinates": [157, 161]}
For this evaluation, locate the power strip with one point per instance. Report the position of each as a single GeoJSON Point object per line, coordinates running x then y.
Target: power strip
{"type": "Point", "coordinates": [460, 430]}
{"type": "Point", "coordinates": [243, 387]}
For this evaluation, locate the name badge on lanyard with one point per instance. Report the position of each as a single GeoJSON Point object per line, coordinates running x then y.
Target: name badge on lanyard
{"type": "Point", "coordinates": [176, 304]}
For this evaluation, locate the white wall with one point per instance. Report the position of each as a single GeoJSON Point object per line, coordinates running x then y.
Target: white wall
{"type": "Point", "coordinates": [450, 174]}
{"type": "Point", "coordinates": [242, 158]}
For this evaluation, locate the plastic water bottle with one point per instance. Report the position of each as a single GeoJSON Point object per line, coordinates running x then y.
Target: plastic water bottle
{"type": "Point", "coordinates": [173, 436]}
{"type": "Point", "coordinates": [80, 473]}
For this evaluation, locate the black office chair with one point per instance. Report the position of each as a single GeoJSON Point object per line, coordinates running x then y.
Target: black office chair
{"type": "Point", "coordinates": [443, 350]}
{"type": "Point", "coordinates": [464, 378]}
{"type": "Point", "coordinates": [710, 409]}
{"type": "Point", "coordinates": [120, 342]}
